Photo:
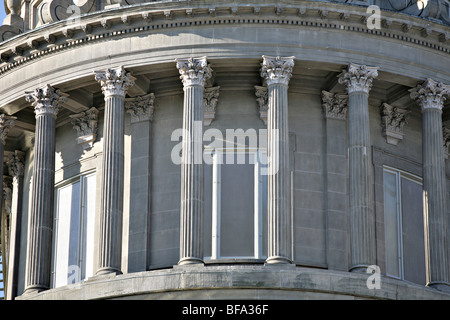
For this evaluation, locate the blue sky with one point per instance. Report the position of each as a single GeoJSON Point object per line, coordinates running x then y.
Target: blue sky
{"type": "Point", "coordinates": [2, 11]}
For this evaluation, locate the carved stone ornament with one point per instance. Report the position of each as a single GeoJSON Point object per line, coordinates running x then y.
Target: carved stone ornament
{"type": "Point", "coordinates": [16, 163]}
{"type": "Point", "coordinates": [85, 123]}
{"type": "Point", "coordinates": [194, 71]}
{"type": "Point", "coordinates": [358, 78]}
{"type": "Point", "coordinates": [115, 81]}
{"type": "Point", "coordinates": [446, 132]}
{"type": "Point", "coordinates": [262, 97]}
{"type": "Point", "coordinates": [141, 107]}
{"type": "Point", "coordinates": [277, 70]}
{"type": "Point", "coordinates": [7, 196]}
{"type": "Point", "coordinates": [334, 105]}
{"type": "Point", "coordinates": [392, 121]}
{"type": "Point", "coordinates": [6, 122]}
{"type": "Point", "coordinates": [46, 101]}
{"type": "Point", "coordinates": [210, 99]}
{"type": "Point", "coordinates": [430, 94]}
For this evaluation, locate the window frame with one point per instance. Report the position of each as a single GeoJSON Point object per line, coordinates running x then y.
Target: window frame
{"type": "Point", "coordinates": [399, 175]}
{"type": "Point", "coordinates": [82, 245]}
{"type": "Point", "coordinates": [216, 153]}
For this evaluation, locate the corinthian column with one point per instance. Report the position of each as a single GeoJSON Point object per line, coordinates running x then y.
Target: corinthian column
{"type": "Point", "coordinates": [115, 83]}
{"type": "Point", "coordinates": [194, 74]}
{"type": "Point", "coordinates": [430, 96]}
{"type": "Point", "coordinates": [358, 81]}
{"type": "Point", "coordinates": [276, 72]}
{"type": "Point", "coordinates": [46, 103]}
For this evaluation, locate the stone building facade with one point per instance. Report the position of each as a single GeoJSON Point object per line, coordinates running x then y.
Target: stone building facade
{"type": "Point", "coordinates": [225, 149]}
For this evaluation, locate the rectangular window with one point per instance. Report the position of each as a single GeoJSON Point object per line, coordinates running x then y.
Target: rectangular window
{"type": "Point", "coordinates": [74, 231]}
{"type": "Point", "coordinates": [235, 205]}
{"type": "Point", "coordinates": [404, 226]}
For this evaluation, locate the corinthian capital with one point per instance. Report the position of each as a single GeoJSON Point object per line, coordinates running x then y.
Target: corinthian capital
{"type": "Point", "coordinates": [210, 99]}
{"type": "Point", "coordinates": [358, 78]}
{"type": "Point", "coordinates": [430, 94]}
{"type": "Point", "coordinates": [115, 81]}
{"type": "Point", "coordinates": [16, 164]}
{"type": "Point", "coordinates": [334, 105]}
{"type": "Point", "coordinates": [446, 132]}
{"type": "Point", "coordinates": [46, 100]}
{"type": "Point", "coordinates": [194, 71]}
{"type": "Point", "coordinates": [140, 108]}
{"type": "Point", "coordinates": [277, 70]}
{"type": "Point", "coordinates": [6, 122]}
{"type": "Point", "coordinates": [85, 123]}
{"type": "Point", "coordinates": [393, 120]}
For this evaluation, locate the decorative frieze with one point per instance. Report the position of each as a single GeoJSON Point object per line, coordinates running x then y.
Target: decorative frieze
{"type": "Point", "coordinates": [430, 94]}
{"type": "Point", "coordinates": [210, 100]}
{"type": "Point", "coordinates": [358, 78]}
{"type": "Point", "coordinates": [46, 100]}
{"type": "Point", "coordinates": [194, 71]}
{"type": "Point", "coordinates": [277, 70]}
{"type": "Point", "coordinates": [261, 93]}
{"type": "Point", "coordinates": [393, 120]}
{"type": "Point", "coordinates": [114, 81]}
{"type": "Point", "coordinates": [334, 105]}
{"type": "Point", "coordinates": [85, 123]}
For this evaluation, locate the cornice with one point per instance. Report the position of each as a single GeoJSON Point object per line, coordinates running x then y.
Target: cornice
{"type": "Point", "coordinates": [146, 18]}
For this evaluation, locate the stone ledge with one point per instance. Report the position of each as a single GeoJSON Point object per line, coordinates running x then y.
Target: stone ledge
{"type": "Point", "coordinates": [238, 282]}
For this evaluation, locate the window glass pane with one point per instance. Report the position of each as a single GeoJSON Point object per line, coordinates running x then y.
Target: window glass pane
{"type": "Point", "coordinates": [207, 209]}
{"type": "Point", "coordinates": [237, 208]}
{"type": "Point", "coordinates": [89, 220]}
{"type": "Point", "coordinates": [391, 226]}
{"type": "Point", "coordinates": [66, 250]}
{"type": "Point", "coordinates": [413, 232]}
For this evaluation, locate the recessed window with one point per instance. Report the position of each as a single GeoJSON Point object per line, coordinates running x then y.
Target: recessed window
{"type": "Point", "coordinates": [74, 231]}
{"type": "Point", "coordinates": [236, 205]}
{"type": "Point", "coordinates": [404, 226]}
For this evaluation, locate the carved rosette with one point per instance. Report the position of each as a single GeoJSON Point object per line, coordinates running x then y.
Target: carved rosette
{"type": "Point", "coordinates": [194, 71]}
{"type": "Point", "coordinates": [46, 101]}
{"type": "Point", "coordinates": [277, 70]}
{"type": "Point", "coordinates": [16, 163]}
{"type": "Point", "coordinates": [210, 100]}
{"type": "Point", "coordinates": [115, 81]}
{"type": "Point", "coordinates": [6, 122]}
{"type": "Point", "coordinates": [85, 123]}
{"type": "Point", "coordinates": [335, 105]}
{"type": "Point", "coordinates": [446, 132]}
{"type": "Point", "coordinates": [358, 78]}
{"type": "Point", "coordinates": [262, 98]}
{"type": "Point", "coordinates": [393, 120]}
{"type": "Point", "coordinates": [430, 94]}
{"type": "Point", "coordinates": [141, 108]}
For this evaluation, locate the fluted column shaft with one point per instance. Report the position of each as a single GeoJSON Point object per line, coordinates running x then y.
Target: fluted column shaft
{"type": "Point", "coordinates": [358, 81]}
{"type": "Point", "coordinates": [115, 83]}
{"type": "Point", "coordinates": [277, 71]}
{"type": "Point", "coordinates": [40, 231]}
{"type": "Point", "coordinates": [194, 73]}
{"type": "Point", "coordinates": [430, 95]}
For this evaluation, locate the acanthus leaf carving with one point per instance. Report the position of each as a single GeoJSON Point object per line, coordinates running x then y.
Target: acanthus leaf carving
{"type": "Point", "coordinates": [334, 105]}
{"type": "Point", "coordinates": [141, 108]}
{"type": "Point", "coordinates": [85, 123]}
{"type": "Point", "coordinates": [210, 100]}
{"type": "Point", "coordinates": [393, 120]}
{"type": "Point", "coordinates": [358, 78]}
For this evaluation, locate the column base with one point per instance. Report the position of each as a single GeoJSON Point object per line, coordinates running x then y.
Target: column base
{"type": "Point", "coordinates": [439, 285]}
{"type": "Point", "coordinates": [108, 271]}
{"type": "Point", "coordinates": [359, 268]}
{"type": "Point", "coordinates": [34, 289]}
{"type": "Point", "coordinates": [190, 260]}
{"type": "Point", "coordinates": [278, 260]}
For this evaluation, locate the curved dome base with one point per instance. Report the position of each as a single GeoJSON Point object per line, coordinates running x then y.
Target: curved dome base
{"type": "Point", "coordinates": [239, 282]}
